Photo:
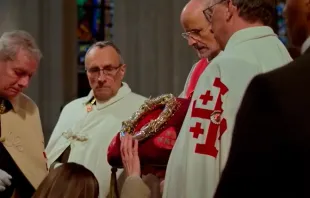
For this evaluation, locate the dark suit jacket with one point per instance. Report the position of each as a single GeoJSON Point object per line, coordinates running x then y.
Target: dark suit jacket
{"type": "Point", "coordinates": [270, 152]}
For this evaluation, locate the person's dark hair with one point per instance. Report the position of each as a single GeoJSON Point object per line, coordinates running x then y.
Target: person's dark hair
{"type": "Point", "coordinates": [256, 10]}
{"type": "Point", "coordinates": [69, 180]}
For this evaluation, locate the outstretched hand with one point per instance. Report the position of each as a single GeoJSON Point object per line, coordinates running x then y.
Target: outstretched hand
{"type": "Point", "coordinates": [130, 156]}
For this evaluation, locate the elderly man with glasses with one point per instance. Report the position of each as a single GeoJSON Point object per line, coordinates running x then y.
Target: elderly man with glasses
{"type": "Point", "coordinates": [250, 47]}
{"type": "Point", "coordinates": [199, 36]}
{"type": "Point", "coordinates": [87, 125]}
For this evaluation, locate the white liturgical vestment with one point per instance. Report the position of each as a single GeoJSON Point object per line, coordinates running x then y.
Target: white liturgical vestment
{"type": "Point", "coordinates": [95, 129]}
{"type": "Point", "coordinates": [201, 150]}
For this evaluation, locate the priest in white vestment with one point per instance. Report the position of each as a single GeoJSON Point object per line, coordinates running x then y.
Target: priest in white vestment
{"type": "Point", "coordinates": [87, 125]}
{"type": "Point", "coordinates": [197, 32]}
{"type": "Point", "coordinates": [200, 152]}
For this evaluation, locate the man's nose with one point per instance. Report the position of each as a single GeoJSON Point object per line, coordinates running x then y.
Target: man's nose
{"type": "Point", "coordinates": [24, 82]}
{"type": "Point", "coordinates": [102, 76]}
{"type": "Point", "coordinates": [191, 41]}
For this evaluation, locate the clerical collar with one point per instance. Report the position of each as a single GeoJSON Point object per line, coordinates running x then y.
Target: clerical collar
{"type": "Point", "coordinates": [305, 45]}
{"type": "Point", "coordinates": [5, 106]}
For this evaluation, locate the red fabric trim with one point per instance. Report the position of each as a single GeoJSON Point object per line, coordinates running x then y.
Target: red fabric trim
{"type": "Point", "coordinates": [199, 68]}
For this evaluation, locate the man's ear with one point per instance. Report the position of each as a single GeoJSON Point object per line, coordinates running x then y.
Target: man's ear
{"type": "Point", "coordinates": [231, 9]}
{"type": "Point", "coordinates": [123, 70]}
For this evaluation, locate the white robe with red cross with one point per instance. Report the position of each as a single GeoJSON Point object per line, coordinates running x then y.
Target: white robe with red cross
{"type": "Point", "coordinates": [201, 150]}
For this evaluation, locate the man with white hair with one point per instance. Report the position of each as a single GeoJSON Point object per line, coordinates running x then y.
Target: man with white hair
{"type": "Point", "coordinates": [87, 125]}
{"type": "Point", "coordinates": [22, 158]}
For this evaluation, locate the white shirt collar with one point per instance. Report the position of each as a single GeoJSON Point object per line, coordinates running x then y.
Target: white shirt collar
{"type": "Point", "coordinates": [248, 34]}
{"type": "Point", "coordinates": [305, 45]}
{"type": "Point", "coordinates": [121, 93]}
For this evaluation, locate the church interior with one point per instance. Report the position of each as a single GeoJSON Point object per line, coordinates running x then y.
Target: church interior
{"type": "Point", "coordinates": [148, 34]}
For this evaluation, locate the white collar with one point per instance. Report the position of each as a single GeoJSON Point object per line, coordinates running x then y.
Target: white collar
{"type": "Point", "coordinates": [122, 92]}
{"type": "Point", "coordinates": [249, 34]}
{"type": "Point", "coordinates": [305, 45]}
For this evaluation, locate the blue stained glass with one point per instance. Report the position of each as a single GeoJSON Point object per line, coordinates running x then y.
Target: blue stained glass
{"type": "Point", "coordinates": [96, 22]}
{"type": "Point", "coordinates": [82, 49]}
{"type": "Point", "coordinates": [96, 2]}
{"type": "Point", "coordinates": [282, 31]}
{"type": "Point", "coordinates": [91, 27]}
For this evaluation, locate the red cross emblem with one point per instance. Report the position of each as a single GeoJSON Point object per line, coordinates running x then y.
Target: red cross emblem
{"type": "Point", "coordinates": [217, 124]}
{"type": "Point", "coordinates": [197, 130]}
{"type": "Point", "coordinates": [206, 97]}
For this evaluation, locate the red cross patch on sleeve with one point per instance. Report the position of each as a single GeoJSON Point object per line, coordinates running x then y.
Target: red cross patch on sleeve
{"type": "Point", "coordinates": [217, 123]}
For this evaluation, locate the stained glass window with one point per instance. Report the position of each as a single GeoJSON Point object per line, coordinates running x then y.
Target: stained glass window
{"type": "Point", "coordinates": [95, 23]}
{"type": "Point", "coordinates": [281, 26]}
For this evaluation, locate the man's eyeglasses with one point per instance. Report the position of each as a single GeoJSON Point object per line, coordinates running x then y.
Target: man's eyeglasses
{"type": "Point", "coordinates": [109, 70]}
{"type": "Point", "coordinates": [208, 12]}
{"type": "Point", "coordinates": [194, 34]}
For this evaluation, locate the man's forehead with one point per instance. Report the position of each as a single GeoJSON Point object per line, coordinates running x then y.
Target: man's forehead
{"type": "Point", "coordinates": [193, 26]}
{"type": "Point", "coordinates": [24, 57]}
{"type": "Point", "coordinates": [100, 64]}
{"type": "Point", "coordinates": [26, 64]}
{"type": "Point", "coordinates": [101, 57]}
{"type": "Point", "coordinates": [107, 51]}
{"type": "Point", "coordinates": [193, 11]}
{"type": "Point", "coordinates": [23, 54]}
{"type": "Point", "coordinates": [191, 16]}
{"type": "Point", "coordinates": [194, 21]}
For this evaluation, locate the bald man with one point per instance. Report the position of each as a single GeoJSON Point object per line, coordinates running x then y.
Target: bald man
{"type": "Point", "coordinates": [198, 30]}
{"type": "Point", "coordinates": [199, 36]}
